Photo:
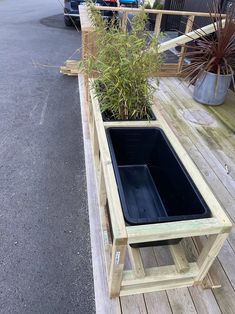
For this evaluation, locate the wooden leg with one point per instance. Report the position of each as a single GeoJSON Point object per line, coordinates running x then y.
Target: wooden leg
{"type": "Point", "coordinates": [179, 258]}
{"type": "Point", "coordinates": [136, 262]}
{"type": "Point", "coordinates": [116, 269]}
{"type": "Point", "coordinates": [210, 281]}
{"type": "Point", "coordinates": [209, 253]}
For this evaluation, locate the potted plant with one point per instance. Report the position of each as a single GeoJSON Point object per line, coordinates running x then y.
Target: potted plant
{"type": "Point", "coordinates": [212, 61]}
{"type": "Point", "coordinates": [123, 63]}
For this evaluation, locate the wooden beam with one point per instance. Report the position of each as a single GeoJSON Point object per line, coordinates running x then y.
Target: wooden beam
{"type": "Point", "coordinates": [174, 230]}
{"type": "Point", "coordinates": [85, 20]}
{"type": "Point", "coordinates": [209, 253]}
{"type": "Point", "coordinates": [179, 258]}
{"type": "Point", "coordinates": [156, 286]}
{"type": "Point", "coordinates": [115, 209]}
{"type": "Point", "coordinates": [124, 20]}
{"type": "Point", "coordinates": [158, 274]}
{"type": "Point", "coordinates": [136, 262]}
{"type": "Point", "coordinates": [116, 269]}
{"type": "Point", "coordinates": [189, 27]}
{"type": "Point", "coordinates": [206, 30]}
{"type": "Point", "coordinates": [157, 28]}
{"type": "Point", "coordinates": [168, 12]}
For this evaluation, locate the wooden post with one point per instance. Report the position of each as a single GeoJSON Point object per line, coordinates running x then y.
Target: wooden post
{"type": "Point", "coordinates": [157, 28]}
{"type": "Point", "coordinates": [179, 257]}
{"type": "Point", "coordinates": [189, 27]}
{"type": "Point", "coordinates": [209, 253]}
{"type": "Point", "coordinates": [88, 41]}
{"type": "Point", "coordinates": [124, 20]}
{"type": "Point", "coordinates": [136, 262]}
{"type": "Point", "coordinates": [116, 268]}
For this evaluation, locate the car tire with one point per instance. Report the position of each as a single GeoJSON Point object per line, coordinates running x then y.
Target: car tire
{"type": "Point", "coordinates": [68, 21]}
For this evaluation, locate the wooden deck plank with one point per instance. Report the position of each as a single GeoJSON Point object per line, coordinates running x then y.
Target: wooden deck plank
{"type": "Point", "coordinates": [225, 295]}
{"type": "Point", "coordinates": [204, 301]}
{"type": "Point", "coordinates": [156, 302]}
{"type": "Point", "coordinates": [226, 112]}
{"type": "Point", "coordinates": [174, 115]}
{"type": "Point", "coordinates": [210, 134]}
{"type": "Point", "coordinates": [133, 304]}
{"type": "Point", "coordinates": [216, 134]}
{"type": "Point", "coordinates": [210, 155]}
{"type": "Point", "coordinates": [180, 299]}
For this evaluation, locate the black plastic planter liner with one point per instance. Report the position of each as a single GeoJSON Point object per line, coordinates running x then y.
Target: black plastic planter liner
{"type": "Point", "coordinates": [152, 182]}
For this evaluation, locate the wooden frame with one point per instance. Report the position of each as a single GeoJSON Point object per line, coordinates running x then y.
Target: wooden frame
{"type": "Point", "coordinates": [117, 237]}
{"type": "Point", "coordinates": [167, 69]}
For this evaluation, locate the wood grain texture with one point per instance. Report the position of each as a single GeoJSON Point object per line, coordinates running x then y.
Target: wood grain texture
{"type": "Point", "coordinates": [208, 149]}
{"type": "Point", "coordinates": [103, 303]}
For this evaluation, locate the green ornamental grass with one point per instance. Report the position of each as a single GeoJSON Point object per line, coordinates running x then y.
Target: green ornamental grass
{"type": "Point", "coordinates": [123, 64]}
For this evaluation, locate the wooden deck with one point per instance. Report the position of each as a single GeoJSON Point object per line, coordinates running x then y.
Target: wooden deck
{"type": "Point", "coordinates": [211, 144]}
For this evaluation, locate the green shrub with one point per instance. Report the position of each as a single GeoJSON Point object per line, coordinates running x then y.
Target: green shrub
{"type": "Point", "coordinates": [123, 64]}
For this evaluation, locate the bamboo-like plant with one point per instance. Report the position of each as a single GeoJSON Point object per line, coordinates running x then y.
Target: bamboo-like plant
{"type": "Point", "coordinates": [123, 64]}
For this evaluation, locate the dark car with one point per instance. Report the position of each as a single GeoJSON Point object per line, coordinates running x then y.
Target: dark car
{"type": "Point", "coordinates": [71, 11]}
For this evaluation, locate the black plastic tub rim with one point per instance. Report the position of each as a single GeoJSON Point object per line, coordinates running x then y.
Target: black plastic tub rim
{"type": "Point", "coordinates": [148, 171]}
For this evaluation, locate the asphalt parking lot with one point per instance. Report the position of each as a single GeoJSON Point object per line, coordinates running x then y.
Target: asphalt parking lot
{"type": "Point", "coordinates": [45, 257]}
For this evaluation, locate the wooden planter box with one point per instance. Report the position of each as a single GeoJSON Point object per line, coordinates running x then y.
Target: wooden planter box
{"type": "Point", "coordinates": [117, 236]}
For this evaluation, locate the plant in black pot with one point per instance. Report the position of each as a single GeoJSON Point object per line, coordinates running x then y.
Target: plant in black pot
{"type": "Point", "coordinates": [123, 63]}
{"type": "Point", "coordinates": [212, 61]}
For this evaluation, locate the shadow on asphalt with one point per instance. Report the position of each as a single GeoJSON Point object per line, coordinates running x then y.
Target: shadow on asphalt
{"type": "Point", "coordinates": [57, 21]}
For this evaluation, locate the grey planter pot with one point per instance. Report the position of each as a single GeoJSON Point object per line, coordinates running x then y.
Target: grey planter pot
{"type": "Point", "coordinates": [211, 89]}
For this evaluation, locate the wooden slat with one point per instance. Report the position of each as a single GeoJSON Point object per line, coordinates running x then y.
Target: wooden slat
{"type": "Point", "coordinates": [214, 135]}
{"type": "Point", "coordinates": [189, 27]}
{"type": "Point", "coordinates": [86, 23]}
{"type": "Point", "coordinates": [168, 12]}
{"type": "Point", "coordinates": [157, 27]}
{"type": "Point", "coordinates": [155, 301]}
{"type": "Point", "coordinates": [177, 98]}
{"type": "Point", "coordinates": [179, 257]}
{"type": "Point", "coordinates": [208, 254]}
{"type": "Point", "coordinates": [155, 232]}
{"type": "Point", "coordinates": [158, 274]}
{"type": "Point", "coordinates": [124, 21]}
{"type": "Point", "coordinates": [156, 286]}
{"type": "Point", "coordinates": [133, 304]}
{"type": "Point", "coordinates": [136, 262]}
{"type": "Point", "coordinates": [180, 299]}
{"type": "Point", "coordinates": [207, 282]}
{"type": "Point", "coordinates": [172, 43]}
{"type": "Point", "coordinates": [117, 220]}
{"type": "Point", "coordinates": [116, 269]}
{"type": "Point", "coordinates": [226, 112]}
{"type": "Point", "coordinates": [137, 124]}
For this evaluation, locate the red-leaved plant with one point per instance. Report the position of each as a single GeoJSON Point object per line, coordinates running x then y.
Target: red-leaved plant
{"type": "Point", "coordinates": [213, 53]}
